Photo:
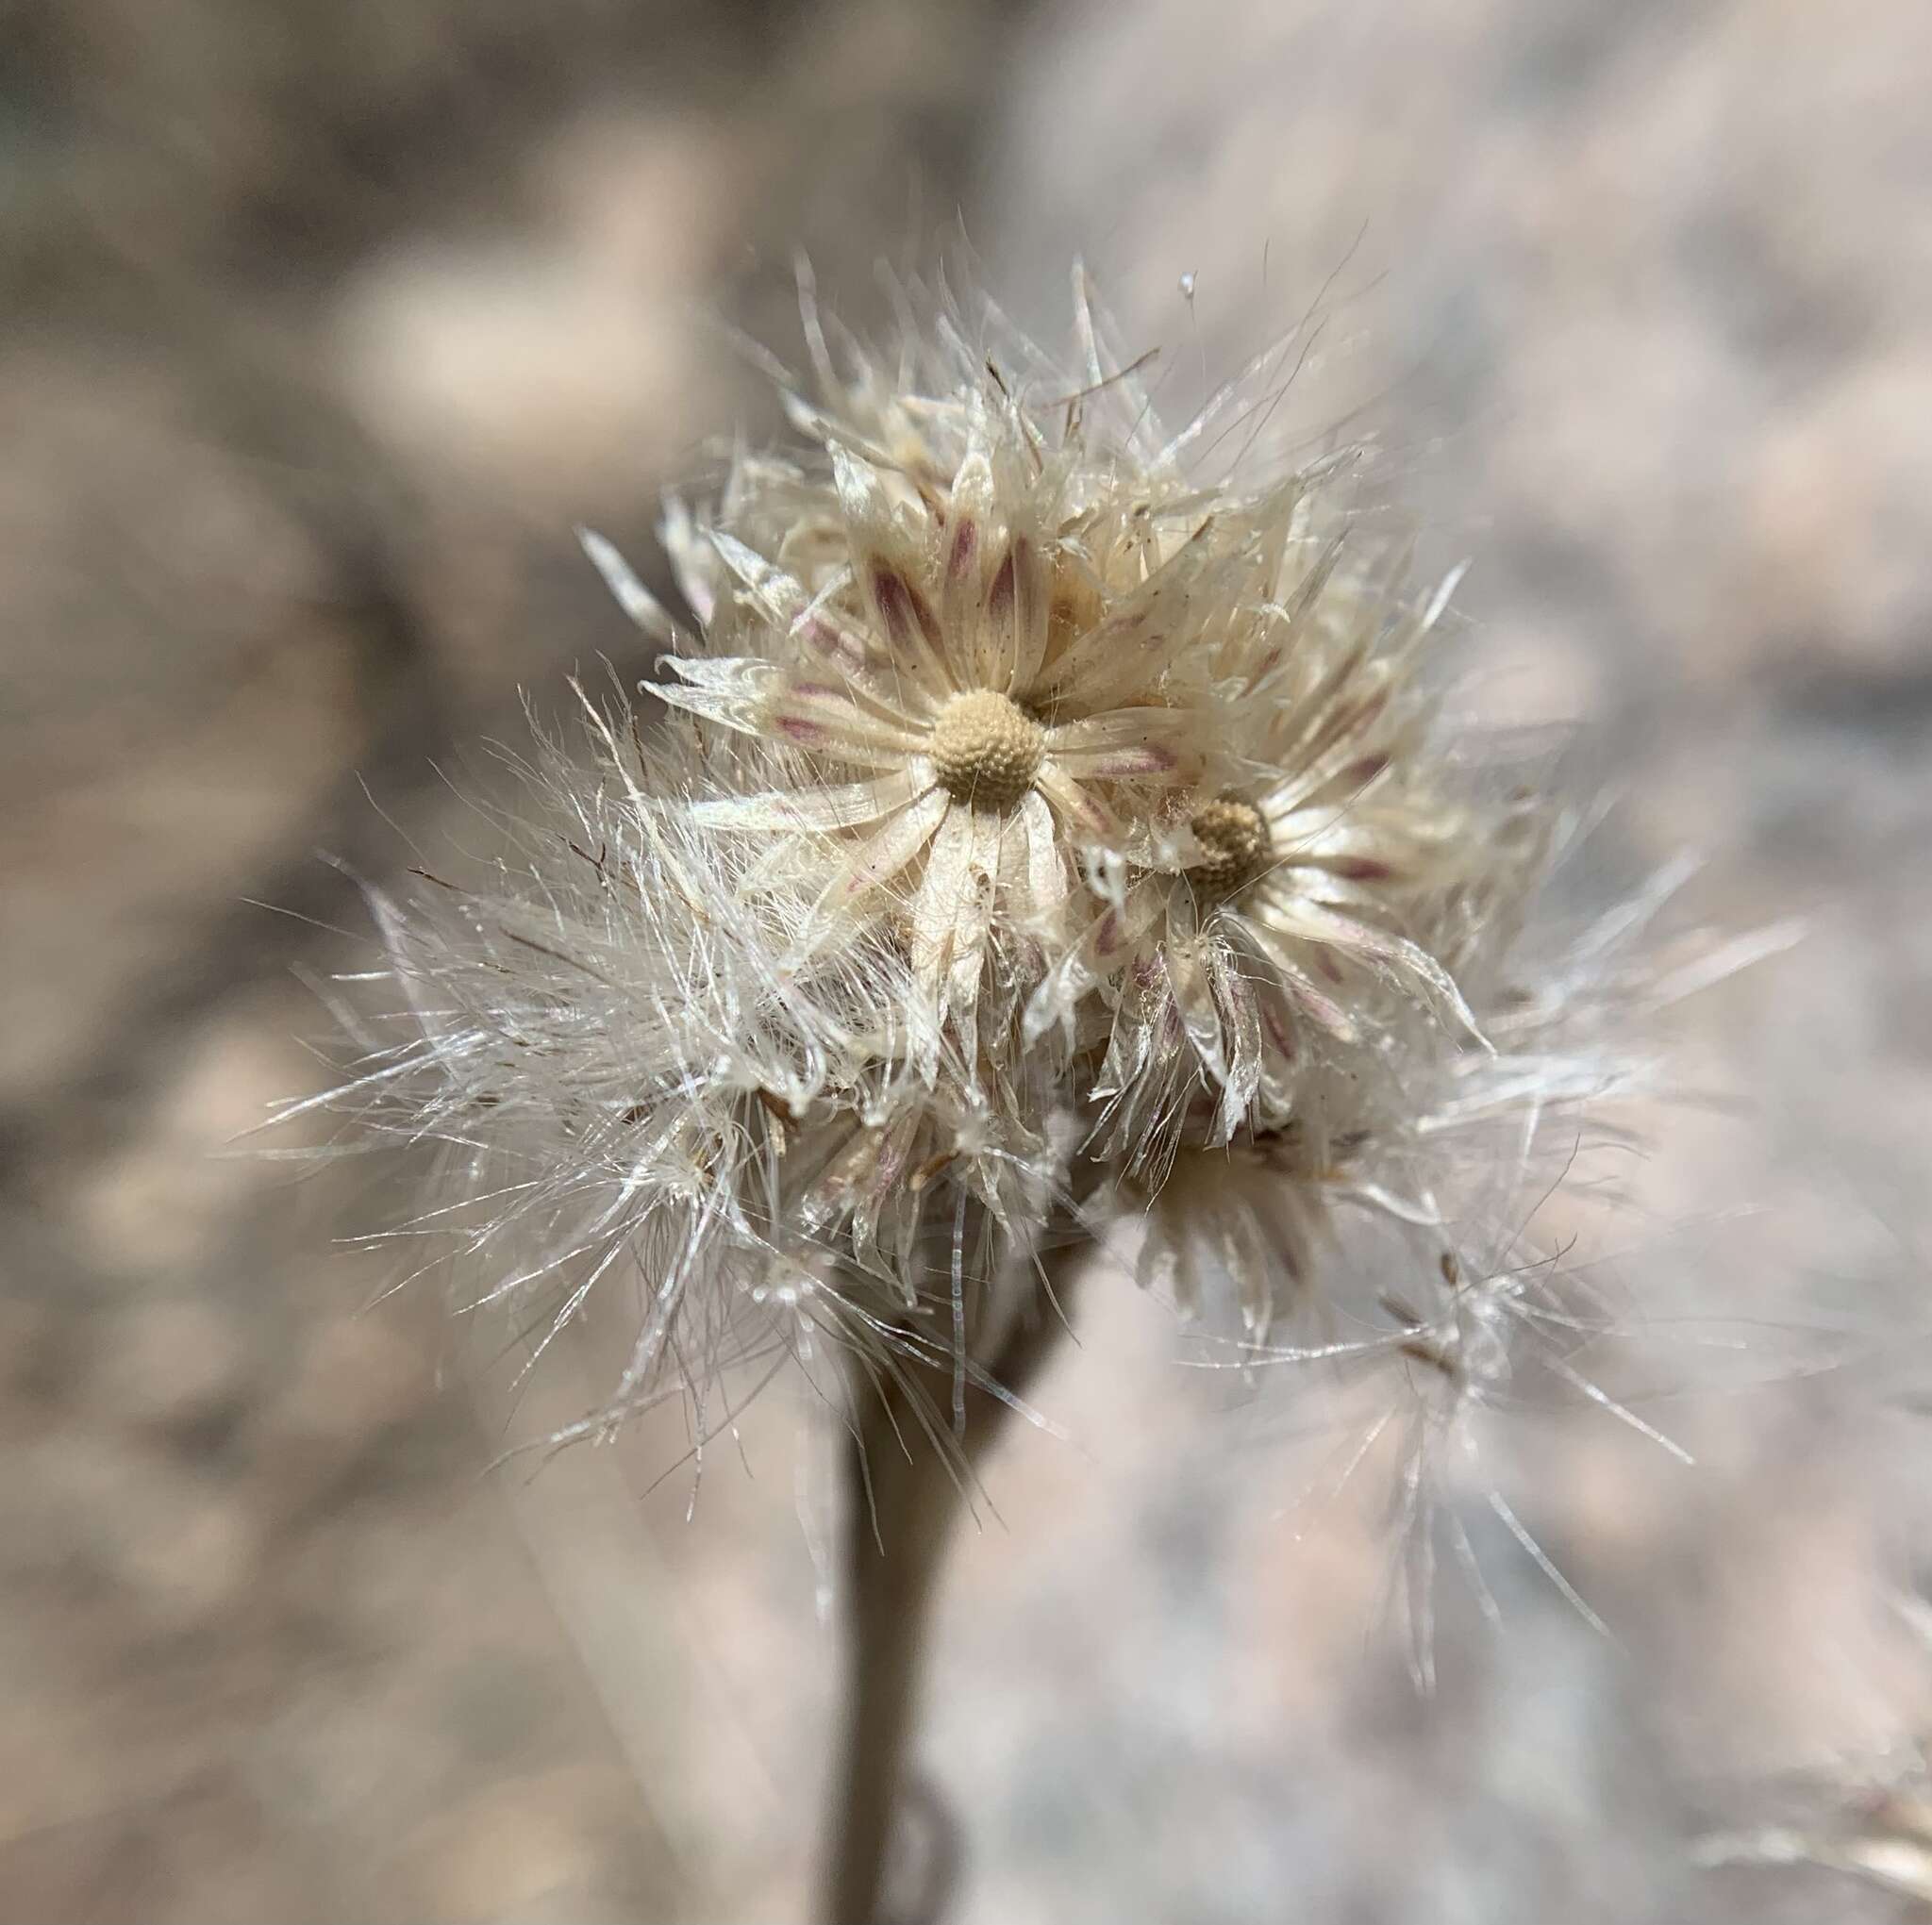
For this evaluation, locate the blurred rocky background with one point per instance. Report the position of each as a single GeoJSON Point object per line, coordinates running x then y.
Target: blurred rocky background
{"type": "Point", "coordinates": [323, 324]}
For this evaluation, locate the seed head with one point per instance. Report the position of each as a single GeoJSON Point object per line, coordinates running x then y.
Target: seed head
{"type": "Point", "coordinates": [1040, 829]}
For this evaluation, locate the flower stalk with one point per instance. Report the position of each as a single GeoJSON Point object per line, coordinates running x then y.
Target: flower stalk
{"type": "Point", "coordinates": [905, 1492]}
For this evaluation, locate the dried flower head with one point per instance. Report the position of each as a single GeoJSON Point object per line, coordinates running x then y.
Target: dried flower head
{"type": "Point", "coordinates": [1044, 832]}
{"type": "Point", "coordinates": [992, 665]}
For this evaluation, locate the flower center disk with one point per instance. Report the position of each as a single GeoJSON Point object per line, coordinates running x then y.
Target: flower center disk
{"type": "Point", "coordinates": [986, 749]}
{"type": "Point", "coordinates": [1235, 848]}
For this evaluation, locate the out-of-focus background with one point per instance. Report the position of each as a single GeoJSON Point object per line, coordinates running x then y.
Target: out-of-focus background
{"type": "Point", "coordinates": [323, 324]}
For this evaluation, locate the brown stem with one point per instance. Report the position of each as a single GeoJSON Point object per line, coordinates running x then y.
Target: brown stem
{"type": "Point", "coordinates": [904, 1495]}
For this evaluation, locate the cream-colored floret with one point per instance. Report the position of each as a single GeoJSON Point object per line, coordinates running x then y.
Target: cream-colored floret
{"type": "Point", "coordinates": [1234, 844]}
{"type": "Point", "coordinates": [986, 749]}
